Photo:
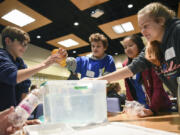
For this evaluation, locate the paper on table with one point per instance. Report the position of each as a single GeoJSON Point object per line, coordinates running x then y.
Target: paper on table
{"type": "Point", "coordinates": [113, 128]}
{"type": "Point", "coordinates": [117, 128]}
{"type": "Point", "coordinates": [48, 129]}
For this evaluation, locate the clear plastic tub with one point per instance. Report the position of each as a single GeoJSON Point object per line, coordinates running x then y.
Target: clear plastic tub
{"type": "Point", "coordinates": [76, 103]}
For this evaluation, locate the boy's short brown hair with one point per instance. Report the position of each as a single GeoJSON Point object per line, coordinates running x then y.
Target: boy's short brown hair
{"type": "Point", "coordinates": [14, 33]}
{"type": "Point", "coordinates": [96, 37]}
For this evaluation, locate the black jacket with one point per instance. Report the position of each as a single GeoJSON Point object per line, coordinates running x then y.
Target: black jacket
{"type": "Point", "coordinates": [170, 47]}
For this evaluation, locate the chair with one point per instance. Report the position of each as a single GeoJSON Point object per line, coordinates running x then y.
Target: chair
{"type": "Point", "coordinates": [113, 104]}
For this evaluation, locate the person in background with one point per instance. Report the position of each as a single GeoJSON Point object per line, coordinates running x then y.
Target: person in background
{"type": "Point", "coordinates": [144, 87]}
{"type": "Point", "coordinates": [113, 89]}
{"type": "Point", "coordinates": [159, 25]}
{"type": "Point", "coordinates": [14, 73]}
{"type": "Point", "coordinates": [98, 64]}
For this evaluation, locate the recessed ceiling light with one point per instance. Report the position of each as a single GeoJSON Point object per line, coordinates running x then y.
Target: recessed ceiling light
{"type": "Point", "coordinates": [116, 53]}
{"type": "Point", "coordinates": [93, 12]}
{"type": "Point", "coordinates": [97, 13]}
{"type": "Point", "coordinates": [118, 29]}
{"type": "Point", "coordinates": [68, 43]}
{"type": "Point", "coordinates": [127, 26]}
{"type": "Point", "coordinates": [76, 23]}
{"type": "Point", "coordinates": [130, 5]}
{"type": "Point", "coordinates": [38, 36]}
{"type": "Point", "coordinates": [74, 51]}
{"type": "Point", "coordinates": [17, 17]}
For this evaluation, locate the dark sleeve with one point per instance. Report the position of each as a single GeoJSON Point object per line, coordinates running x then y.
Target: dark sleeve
{"type": "Point", "coordinates": [139, 64]}
{"type": "Point", "coordinates": [23, 86]}
{"type": "Point", "coordinates": [8, 70]}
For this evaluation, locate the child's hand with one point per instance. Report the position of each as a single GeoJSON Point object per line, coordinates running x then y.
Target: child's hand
{"type": "Point", "coordinates": [63, 53]}
{"type": "Point", "coordinates": [33, 122]}
{"type": "Point", "coordinates": [51, 60]}
{"type": "Point", "coordinates": [6, 126]}
{"type": "Point", "coordinates": [147, 112]}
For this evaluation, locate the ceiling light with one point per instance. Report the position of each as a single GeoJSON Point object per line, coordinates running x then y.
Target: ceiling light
{"type": "Point", "coordinates": [118, 29]}
{"type": "Point", "coordinates": [68, 43]}
{"type": "Point", "coordinates": [127, 26]}
{"type": "Point", "coordinates": [76, 23]}
{"type": "Point", "coordinates": [130, 5]}
{"type": "Point", "coordinates": [74, 51]}
{"type": "Point", "coordinates": [38, 36]}
{"type": "Point", "coordinates": [93, 12]}
{"type": "Point", "coordinates": [97, 13]}
{"type": "Point", "coordinates": [17, 17]}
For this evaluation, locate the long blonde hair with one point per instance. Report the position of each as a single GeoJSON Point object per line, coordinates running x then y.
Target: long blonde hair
{"type": "Point", "coordinates": [157, 10]}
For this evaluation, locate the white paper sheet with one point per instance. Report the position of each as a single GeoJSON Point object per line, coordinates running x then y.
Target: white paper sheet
{"type": "Point", "coordinates": [113, 128]}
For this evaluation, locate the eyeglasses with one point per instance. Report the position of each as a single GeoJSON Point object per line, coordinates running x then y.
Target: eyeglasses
{"type": "Point", "coordinates": [23, 44]}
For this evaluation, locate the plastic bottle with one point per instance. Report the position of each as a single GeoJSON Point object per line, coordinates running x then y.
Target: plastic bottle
{"type": "Point", "coordinates": [26, 107]}
{"type": "Point", "coordinates": [63, 61]}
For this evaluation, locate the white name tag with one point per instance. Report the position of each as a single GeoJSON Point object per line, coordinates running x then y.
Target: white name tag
{"type": "Point", "coordinates": [170, 53]}
{"type": "Point", "coordinates": [90, 73]}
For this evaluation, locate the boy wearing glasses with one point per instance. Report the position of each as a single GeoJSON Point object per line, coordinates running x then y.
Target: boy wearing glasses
{"type": "Point", "coordinates": [14, 73]}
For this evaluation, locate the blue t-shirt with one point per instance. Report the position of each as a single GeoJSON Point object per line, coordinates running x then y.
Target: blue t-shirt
{"type": "Point", "coordinates": [89, 67]}
{"type": "Point", "coordinates": [10, 91]}
{"type": "Point", "coordinates": [139, 90]}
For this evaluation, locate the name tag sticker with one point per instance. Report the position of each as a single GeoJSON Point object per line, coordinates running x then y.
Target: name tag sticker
{"type": "Point", "coordinates": [170, 53]}
{"type": "Point", "coordinates": [90, 73]}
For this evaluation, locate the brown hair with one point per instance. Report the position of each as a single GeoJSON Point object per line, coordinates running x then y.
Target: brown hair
{"type": "Point", "coordinates": [139, 43]}
{"type": "Point", "coordinates": [113, 86]}
{"type": "Point", "coordinates": [153, 53]}
{"type": "Point", "coordinates": [14, 33]}
{"type": "Point", "coordinates": [157, 10]}
{"type": "Point", "coordinates": [96, 37]}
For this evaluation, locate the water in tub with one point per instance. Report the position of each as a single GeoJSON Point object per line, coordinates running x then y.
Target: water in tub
{"type": "Point", "coordinates": [79, 108]}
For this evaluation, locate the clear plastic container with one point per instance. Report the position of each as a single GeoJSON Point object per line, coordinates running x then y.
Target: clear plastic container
{"type": "Point", "coordinates": [76, 103]}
